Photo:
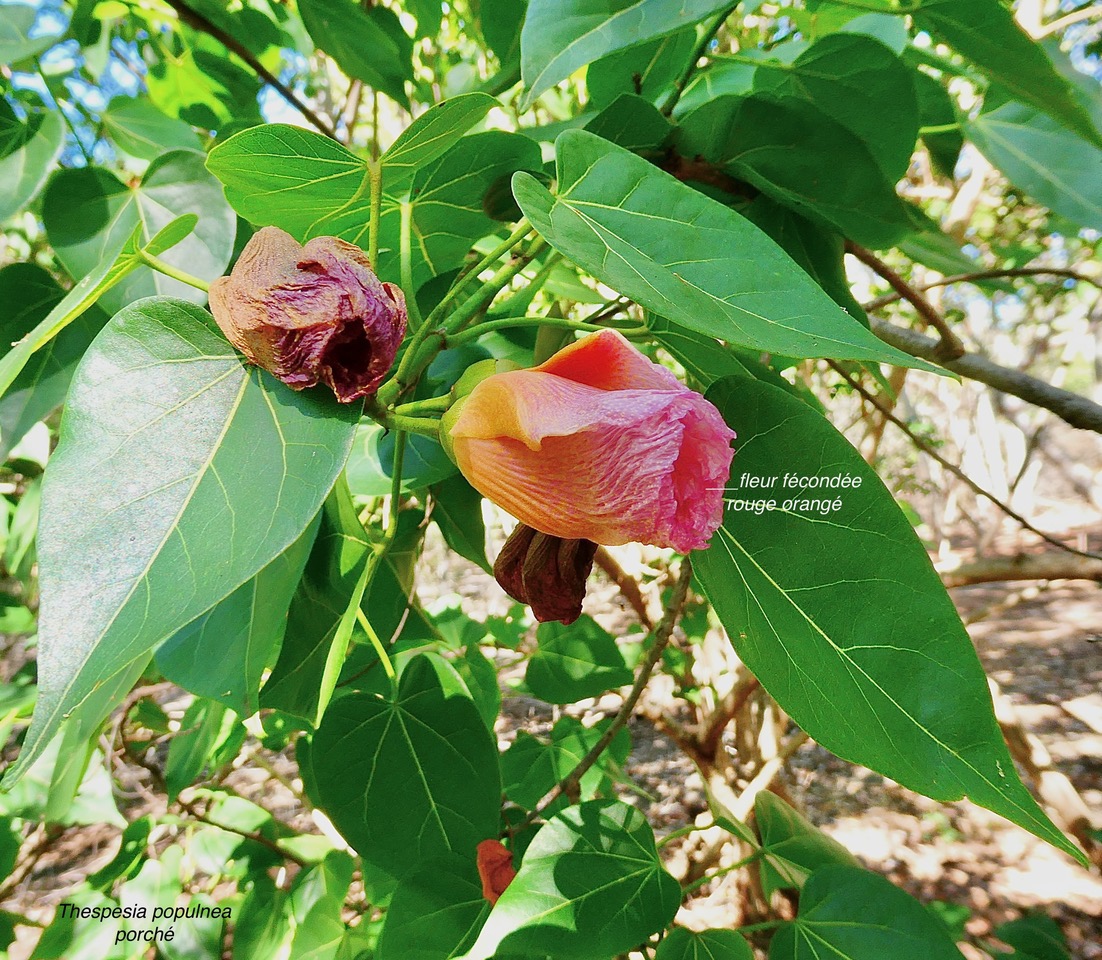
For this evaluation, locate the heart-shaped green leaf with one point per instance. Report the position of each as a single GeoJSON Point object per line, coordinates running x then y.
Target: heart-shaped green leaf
{"type": "Point", "coordinates": [215, 470]}
{"type": "Point", "coordinates": [406, 778]}
{"type": "Point", "coordinates": [847, 913]}
{"type": "Point", "coordinates": [590, 887]}
{"type": "Point", "coordinates": [830, 598]}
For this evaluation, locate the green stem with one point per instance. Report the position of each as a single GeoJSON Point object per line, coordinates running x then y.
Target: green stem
{"type": "Point", "coordinates": [701, 49]}
{"type": "Point", "coordinates": [406, 252]}
{"type": "Point", "coordinates": [871, 6]}
{"type": "Point", "coordinates": [697, 884]}
{"type": "Point", "coordinates": [380, 553]}
{"type": "Point", "coordinates": [170, 271]}
{"type": "Point", "coordinates": [752, 61]}
{"type": "Point", "coordinates": [420, 352]}
{"type": "Point", "coordinates": [431, 405]}
{"type": "Point", "coordinates": [375, 176]}
{"type": "Point", "coordinates": [682, 832]}
{"type": "Point", "coordinates": [380, 650]}
{"type": "Point", "coordinates": [523, 229]}
{"type": "Point", "coordinates": [938, 128]}
{"type": "Point", "coordinates": [422, 426]}
{"type": "Point", "coordinates": [764, 925]}
{"type": "Point", "coordinates": [487, 291]}
{"type": "Point", "coordinates": [476, 331]}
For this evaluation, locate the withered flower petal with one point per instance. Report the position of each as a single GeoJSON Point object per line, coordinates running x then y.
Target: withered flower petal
{"type": "Point", "coordinates": [495, 869]}
{"type": "Point", "coordinates": [547, 573]}
{"type": "Point", "coordinates": [310, 314]}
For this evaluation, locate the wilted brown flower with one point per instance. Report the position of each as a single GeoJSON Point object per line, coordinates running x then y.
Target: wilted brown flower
{"type": "Point", "coordinates": [547, 573]}
{"type": "Point", "coordinates": [311, 314]}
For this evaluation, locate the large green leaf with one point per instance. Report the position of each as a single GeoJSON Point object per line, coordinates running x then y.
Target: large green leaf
{"type": "Point", "coordinates": [202, 86]}
{"type": "Point", "coordinates": [632, 123]}
{"type": "Point", "coordinates": [840, 614]}
{"type": "Point", "coordinates": [311, 186]}
{"type": "Point", "coordinates": [820, 251]}
{"type": "Point", "coordinates": [647, 69]}
{"type": "Point", "coordinates": [590, 886]}
{"type": "Point", "coordinates": [575, 662]}
{"type": "Point", "coordinates": [559, 36]}
{"type": "Point", "coordinates": [1046, 160]}
{"type": "Point", "coordinates": [687, 257]}
{"type": "Point", "coordinates": [179, 475]}
{"type": "Point", "coordinates": [24, 171]}
{"type": "Point", "coordinates": [847, 913]}
{"type": "Point", "coordinates": [792, 150]}
{"type": "Point", "coordinates": [29, 294]}
{"type": "Point", "coordinates": [143, 131]}
{"type": "Point", "coordinates": [682, 944]}
{"type": "Point", "coordinates": [431, 135]}
{"type": "Point", "coordinates": [792, 847]}
{"type": "Point", "coordinates": [987, 34]}
{"type": "Point", "coordinates": [297, 180]}
{"type": "Point", "coordinates": [408, 778]}
{"type": "Point", "coordinates": [437, 910]}
{"type": "Point", "coordinates": [205, 729]}
{"type": "Point", "coordinates": [121, 259]}
{"type": "Point", "coordinates": [937, 109]}
{"type": "Point", "coordinates": [449, 202]}
{"type": "Point", "coordinates": [223, 654]}
{"type": "Point", "coordinates": [457, 511]}
{"type": "Point", "coordinates": [16, 43]}
{"type": "Point", "coordinates": [88, 210]}
{"type": "Point", "coordinates": [861, 84]}
{"type": "Point", "coordinates": [500, 21]}
{"type": "Point", "coordinates": [1036, 936]}
{"type": "Point", "coordinates": [303, 679]}
{"type": "Point", "coordinates": [367, 43]}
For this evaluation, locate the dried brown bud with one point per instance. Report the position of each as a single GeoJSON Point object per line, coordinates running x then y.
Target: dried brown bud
{"type": "Point", "coordinates": [311, 314]}
{"type": "Point", "coordinates": [547, 573]}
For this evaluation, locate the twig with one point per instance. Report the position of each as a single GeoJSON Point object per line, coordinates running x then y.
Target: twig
{"type": "Point", "coordinates": [1087, 12]}
{"type": "Point", "coordinates": [199, 22]}
{"type": "Point", "coordinates": [766, 775]}
{"type": "Point", "coordinates": [988, 275]}
{"type": "Point", "coordinates": [950, 346]}
{"type": "Point", "coordinates": [570, 783]}
{"type": "Point", "coordinates": [1076, 410]}
{"type": "Point", "coordinates": [1044, 566]}
{"type": "Point", "coordinates": [724, 713]}
{"type": "Point", "coordinates": [28, 859]}
{"type": "Point", "coordinates": [352, 109]}
{"type": "Point", "coordinates": [627, 585]}
{"type": "Point", "coordinates": [253, 835]}
{"type": "Point", "coordinates": [953, 468]}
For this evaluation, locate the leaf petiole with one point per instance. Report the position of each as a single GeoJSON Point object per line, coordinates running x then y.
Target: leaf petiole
{"type": "Point", "coordinates": [170, 271]}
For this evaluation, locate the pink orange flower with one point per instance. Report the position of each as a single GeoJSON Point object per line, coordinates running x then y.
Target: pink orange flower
{"type": "Point", "coordinates": [600, 444]}
{"type": "Point", "coordinates": [311, 314]}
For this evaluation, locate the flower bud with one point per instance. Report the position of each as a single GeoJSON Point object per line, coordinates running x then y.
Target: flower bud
{"type": "Point", "coordinates": [311, 314]}
{"type": "Point", "coordinates": [547, 573]}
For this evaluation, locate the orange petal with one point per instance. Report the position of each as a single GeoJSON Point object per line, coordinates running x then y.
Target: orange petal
{"type": "Point", "coordinates": [607, 360]}
{"type": "Point", "coordinates": [495, 868]}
